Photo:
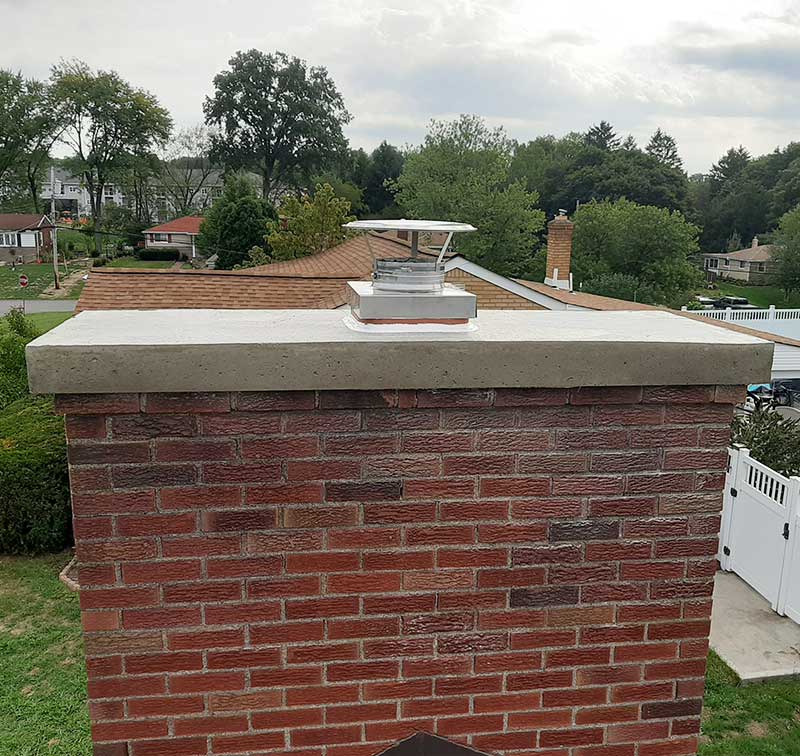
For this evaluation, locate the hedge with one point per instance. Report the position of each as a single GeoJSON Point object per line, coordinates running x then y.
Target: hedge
{"type": "Point", "coordinates": [159, 253]}
{"type": "Point", "coordinates": [34, 482]}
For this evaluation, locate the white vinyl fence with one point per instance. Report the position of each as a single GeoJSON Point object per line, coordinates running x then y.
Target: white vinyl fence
{"type": "Point", "coordinates": [760, 538]}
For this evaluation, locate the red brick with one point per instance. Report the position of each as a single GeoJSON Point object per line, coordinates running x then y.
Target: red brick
{"type": "Point", "coordinates": [216, 545]}
{"type": "Point", "coordinates": [151, 475]}
{"type": "Point", "coordinates": [280, 447]}
{"type": "Point", "coordinates": [398, 560]}
{"type": "Point", "coordinates": [326, 469]}
{"type": "Point", "coordinates": [515, 577]}
{"type": "Point", "coordinates": [297, 493]}
{"type": "Point", "coordinates": [231, 472]}
{"type": "Point", "coordinates": [113, 503]}
{"type": "Point", "coordinates": [206, 639]}
{"type": "Point", "coordinates": [165, 706]}
{"type": "Point", "coordinates": [284, 540]}
{"type": "Point", "coordinates": [332, 421]}
{"type": "Point", "coordinates": [383, 514]}
{"type": "Point", "coordinates": [228, 614]}
{"type": "Point", "coordinates": [365, 582]}
{"type": "Point", "coordinates": [96, 404]}
{"type": "Point", "coordinates": [194, 450]}
{"type": "Point", "coordinates": [244, 567]}
{"type": "Point", "coordinates": [85, 426]}
{"type": "Point", "coordinates": [201, 497]}
{"type": "Point", "coordinates": [438, 489]}
{"type": "Point", "coordinates": [143, 619]}
{"type": "Point", "coordinates": [320, 516]}
{"type": "Point", "coordinates": [171, 662]}
{"type": "Point", "coordinates": [160, 572]}
{"type": "Point", "coordinates": [196, 402]}
{"type": "Point", "coordinates": [325, 607]}
{"type": "Point", "coordinates": [243, 658]}
{"type": "Point", "coordinates": [435, 441]}
{"type": "Point", "coordinates": [514, 486]}
{"type": "Point", "coordinates": [574, 737]}
{"type": "Point", "coordinates": [206, 682]}
{"type": "Point", "coordinates": [277, 588]}
{"type": "Point", "coordinates": [438, 580]}
{"type": "Point", "coordinates": [287, 632]}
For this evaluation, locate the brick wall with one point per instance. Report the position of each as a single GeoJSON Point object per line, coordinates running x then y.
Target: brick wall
{"type": "Point", "coordinates": [490, 297]}
{"type": "Point", "coordinates": [559, 247]}
{"type": "Point", "coordinates": [525, 571]}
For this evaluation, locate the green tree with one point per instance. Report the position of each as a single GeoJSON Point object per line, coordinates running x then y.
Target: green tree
{"type": "Point", "coordinates": [649, 244]}
{"type": "Point", "coordinates": [185, 170]}
{"type": "Point", "coordinates": [602, 136]}
{"type": "Point", "coordinates": [275, 116]}
{"type": "Point", "coordinates": [235, 223]}
{"type": "Point", "coordinates": [786, 258]}
{"type": "Point", "coordinates": [108, 123]}
{"type": "Point", "coordinates": [309, 225]}
{"type": "Point", "coordinates": [566, 171]}
{"type": "Point", "coordinates": [462, 173]}
{"type": "Point", "coordinates": [385, 166]}
{"type": "Point", "coordinates": [30, 123]}
{"type": "Point", "coordinates": [664, 149]}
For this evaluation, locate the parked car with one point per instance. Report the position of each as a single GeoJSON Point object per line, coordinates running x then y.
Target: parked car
{"type": "Point", "coordinates": [734, 303]}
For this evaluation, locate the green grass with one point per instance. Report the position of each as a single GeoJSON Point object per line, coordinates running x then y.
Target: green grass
{"type": "Point", "coordinates": [761, 296]}
{"type": "Point", "coordinates": [755, 720]}
{"type": "Point", "coordinates": [44, 321]}
{"type": "Point", "coordinates": [42, 675]}
{"type": "Point", "coordinates": [39, 278]}
{"type": "Point", "coordinates": [135, 262]}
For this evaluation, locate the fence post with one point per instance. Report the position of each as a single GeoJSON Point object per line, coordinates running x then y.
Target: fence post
{"type": "Point", "coordinates": [736, 455]}
{"type": "Point", "coordinates": [789, 567]}
{"type": "Point", "coordinates": [771, 315]}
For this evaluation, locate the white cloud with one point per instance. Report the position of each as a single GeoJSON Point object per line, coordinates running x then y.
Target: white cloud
{"type": "Point", "coordinates": [714, 73]}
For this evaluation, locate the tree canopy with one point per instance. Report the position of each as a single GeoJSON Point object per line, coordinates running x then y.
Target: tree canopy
{"type": "Point", "coordinates": [786, 258]}
{"type": "Point", "coordinates": [644, 251]}
{"type": "Point", "coordinates": [664, 149]}
{"type": "Point", "coordinates": [276, 116]}
{"type": "Point", "coordinates": [108, 123]}
{"type": "Point", "coordinates": [574, 169]}
{"type": "Point", "coordinates": [308, 225]}
{"type": "Point", "coordinates": [235, 224]}
{"type": "Point", "coordinates": [462, 173]}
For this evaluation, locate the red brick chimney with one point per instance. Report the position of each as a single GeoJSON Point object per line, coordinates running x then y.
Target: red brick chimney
{"type": "Point", "coordinates": [300, 540]}
{"type": "Point", "coordinates": [559, 252]}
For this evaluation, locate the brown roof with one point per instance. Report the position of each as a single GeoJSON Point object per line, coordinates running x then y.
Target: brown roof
{"type": "Point", "coordinates": [22, 221]}
{"type": "Point", "coordinates": [579, 299]}
{"type": "Point", "coordinates": [353, 258]}
{"type": "Point", "coordinates": [148, 289]}
{"type": "Point", "coordinates": [189, 224]}
{"type": "Point", "coordinates": [761, 253]}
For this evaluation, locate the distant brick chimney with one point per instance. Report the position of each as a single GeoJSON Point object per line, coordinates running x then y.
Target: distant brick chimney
{"type": "Point", "coordinates": [559, 252]}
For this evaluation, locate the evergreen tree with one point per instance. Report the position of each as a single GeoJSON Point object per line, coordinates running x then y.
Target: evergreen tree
{"type": "Point", "coordinates": [630, 143]}
{"type": "Point", "coordinates": [664, 149]}
{"type": "Point", "coordinates": [235, 224]}
{"type": "Point", "coordinates": [602, 136]}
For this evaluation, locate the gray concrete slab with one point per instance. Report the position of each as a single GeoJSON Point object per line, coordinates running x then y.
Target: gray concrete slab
{"type": "Point", "coordinates": [265, 350]}
{"type": "Point", "coordinates": [754, 641]}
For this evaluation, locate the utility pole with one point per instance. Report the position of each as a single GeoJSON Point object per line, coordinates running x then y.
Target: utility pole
{"type": "Point", "coordinates": [54, 230]}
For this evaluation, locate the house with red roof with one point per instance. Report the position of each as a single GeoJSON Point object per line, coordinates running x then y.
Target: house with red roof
{"type": "Point", "coordinates": [177, 234]}
{"type": "Point", "coordinates": [24, 236]}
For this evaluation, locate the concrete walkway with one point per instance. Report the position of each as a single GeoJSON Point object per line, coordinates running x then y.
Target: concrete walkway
{"type": "Point", "coordinates": [754, 641]}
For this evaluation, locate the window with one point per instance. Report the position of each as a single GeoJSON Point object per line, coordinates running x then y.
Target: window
{"type": "Point", "coordinates": [109, 190]}
{"type": "Point", "coordinates": [712, 262]}
{"type": "Point", "coordinates": [74, 189]}
{"type": "Point", "coordinates": [762, 267]}
{"type": "Point", "coordinates": [8, 240]}
{"type": "Point", "coordinates": [742, 264]}
{"type": "Point", "coordinates": [727, 263]}
{"type": "Point", "coordinates": [160, 237]}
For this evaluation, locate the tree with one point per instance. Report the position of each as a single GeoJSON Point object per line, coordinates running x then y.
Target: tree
{"type": "Point", "coordinates": [566, 171]}
{"type": "Point", "coordinates": [730, 166]}
{"type": "Point", "coordinates": [185, 170]}
{"type": "Point", "coordinates": [385, 166]}
{"type": "Point", "coordinates": [630, 143]}
{"type": "Point", "coordinates": [664, 149]}
{"type": "Point", "coordinates": [276, 116]}
{"type": "Point", "coordinates": [30, 123]}
{"type": "Point", "coordinates": [786, 258]}
{"type": "Point", "coordinates": [308, 225]}
{"type": "Point", "coordinates": [462, 173]}
{"type": "Point", "coordinates": [602, 136]}
{"type": "Point", "coordinates": [108, 123]}
{"type": "Point", "coordinates": [649, 244]}
{"type": "Point", "coordinates": [235, 224]}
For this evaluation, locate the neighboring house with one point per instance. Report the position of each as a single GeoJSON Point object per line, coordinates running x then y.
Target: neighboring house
{"type": "Point", "coordinates": [179, 234]}
{"type": "Point", "coordinates": [752, 265]}
{"type": "Point", "coordinates": [320, 281]}
{"type": "Point", "coordinates": [72, 196]}
{"type": "Point", "coordinates": [23, 235]}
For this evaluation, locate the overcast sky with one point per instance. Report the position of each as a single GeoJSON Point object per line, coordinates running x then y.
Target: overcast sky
{"type": "Point", "coordinates": [713, 73]}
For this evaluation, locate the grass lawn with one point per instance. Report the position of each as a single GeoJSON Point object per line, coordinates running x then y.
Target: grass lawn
{"type": "Point", "coordinates": [756, 720]}
{"type": "Point", "coordinates": [44, 321]}
{"type": "Point", "coordinates": [135, 262]}
{"type": "Point", "coordinates": [761, 296]}
{"type": "Point", "coordinates": [42, 676]}
{"type": "Point", "coordinates": [39, 278]}
{"type": "Point", "coordinates": [43, 698]}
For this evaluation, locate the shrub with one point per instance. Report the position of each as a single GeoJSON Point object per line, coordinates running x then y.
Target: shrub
{"type": "Point", "coordinates": [772, 439]}
{"type": "Point", "coordinates": [99, 262]}
{"type": "Point", "coordinates": [15, 332]}
{"type": "Point", "coordinates": [159, 253]}
{"type": "Point", "coordinates": [34, 483]}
